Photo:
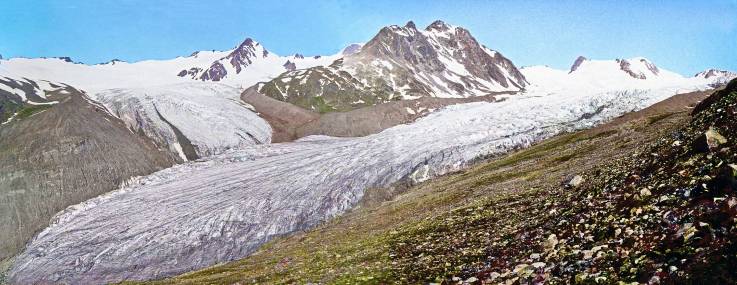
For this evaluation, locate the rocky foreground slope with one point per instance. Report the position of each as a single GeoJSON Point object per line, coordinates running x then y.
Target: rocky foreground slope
{"type": "Point", "coordinates": [647, 198]}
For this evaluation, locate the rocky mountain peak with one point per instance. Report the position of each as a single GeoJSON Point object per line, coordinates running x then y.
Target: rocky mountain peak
{"type": "Point", "coordinates": [410, 25]}
{"type": "Point", "coordinates": [438, 26]}
{"type": "Point", "coordinates": [243, 55]}
{"type": "Point", "coordinates": [247, 43]}
{"type": "Point", "coordinates": [401, 62]}
{"type": "Point", "coordinates": [403, 44]}
{"type": "Point", "coordinates": [576, 64]}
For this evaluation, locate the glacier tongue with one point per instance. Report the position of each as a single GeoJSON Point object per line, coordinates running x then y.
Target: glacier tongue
{"type": "Point", "coordinates": [223, 207]}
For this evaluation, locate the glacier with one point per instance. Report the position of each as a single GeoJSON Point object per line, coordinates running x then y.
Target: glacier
{"type": "Point", "coordinates": [223, 207]}
{"type": "Point", "coordinates": [208, 116]}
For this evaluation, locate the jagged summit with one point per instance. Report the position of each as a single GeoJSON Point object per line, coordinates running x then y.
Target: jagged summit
{"type": "Point", "coordinates": [438, 25]}
{"type": "Point", "coordinates": [248, 55]}
{"type": "Point", "coordinates": [410, 25]}
{"type": "Point", "coordinates": [438, 46]}
{"type": "Point", "coordinates": [244, 54]}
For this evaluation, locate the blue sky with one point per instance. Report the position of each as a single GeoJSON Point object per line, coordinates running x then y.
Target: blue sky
{"type": "Point", "coordinates": [683, 36]}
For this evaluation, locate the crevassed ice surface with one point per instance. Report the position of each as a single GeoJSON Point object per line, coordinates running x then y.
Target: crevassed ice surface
{"type": "Point", "coordinates": [211, 116]}
{"type": "Point", "coordinates": [222, 208]}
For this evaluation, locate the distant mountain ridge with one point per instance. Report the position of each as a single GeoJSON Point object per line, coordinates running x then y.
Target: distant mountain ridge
{"type": "Point", "coordinates": [621, 73]}
{"type": "Point", "coordinates": [246, 54]}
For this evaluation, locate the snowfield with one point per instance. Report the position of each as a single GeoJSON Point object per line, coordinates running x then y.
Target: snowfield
{"type": "Point", "coordinates": [120, 74]}
{"type": "Point", "coordinates": [223, 207]}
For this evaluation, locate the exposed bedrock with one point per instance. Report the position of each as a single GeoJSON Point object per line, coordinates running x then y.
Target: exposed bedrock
{"type": "Point", "coordinates": [61, 156]}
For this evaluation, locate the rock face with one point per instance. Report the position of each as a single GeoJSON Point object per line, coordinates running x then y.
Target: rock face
{"type": "Point", "coordinates": [61, 155]}
{"type": "Point", "coordinates": [400, 63]}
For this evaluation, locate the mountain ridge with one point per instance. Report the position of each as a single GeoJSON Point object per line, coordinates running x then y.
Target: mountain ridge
{"type": "Point", "coordinates": [400, 63]}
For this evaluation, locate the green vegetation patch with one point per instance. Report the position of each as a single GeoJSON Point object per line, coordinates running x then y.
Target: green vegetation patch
{"type": "Point", "coordinates": [30, 110]}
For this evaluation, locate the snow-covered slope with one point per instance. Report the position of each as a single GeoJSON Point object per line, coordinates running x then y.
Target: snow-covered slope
{"type": "Point", "coordinates": [619, 74]}
{"type": "Point", "coordinates": [224, 207]}
{"type": "Point", "coordinates": [193, 119]}
{"type": "Point", "coordinates": [246, 64]}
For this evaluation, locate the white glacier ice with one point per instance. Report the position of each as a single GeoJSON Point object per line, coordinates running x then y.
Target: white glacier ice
{"type": "Point", "coordinates": [223, 207]}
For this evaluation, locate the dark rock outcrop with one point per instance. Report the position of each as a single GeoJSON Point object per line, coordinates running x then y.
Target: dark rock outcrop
{"type": "Point", "coordinates": [290, 66]}
{"type": "Point", "coordinates": [576, 64]}
{"type": "Point", "coordinates": [625, 66]}
{"type": "Point", "coordinates": [216, 72]}
{"type": "Point", "coordinates": [192, 72]}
